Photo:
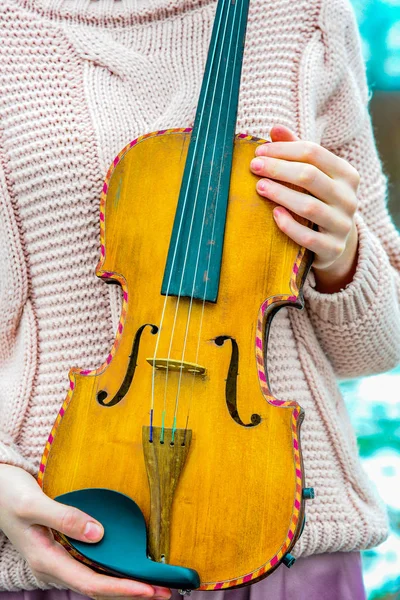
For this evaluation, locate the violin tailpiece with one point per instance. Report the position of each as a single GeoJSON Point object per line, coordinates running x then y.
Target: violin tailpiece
{"type": "Point", "coordinates": [165, 456]}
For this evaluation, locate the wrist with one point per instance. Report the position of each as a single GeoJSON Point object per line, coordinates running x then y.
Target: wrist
{"type": "Point", "coordinates": [338, 275]}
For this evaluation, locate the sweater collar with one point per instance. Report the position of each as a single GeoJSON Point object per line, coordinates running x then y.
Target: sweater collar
{"type": "Point", "coordinates": [112, 11]}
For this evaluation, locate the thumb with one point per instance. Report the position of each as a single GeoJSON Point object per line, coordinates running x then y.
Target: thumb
{"type": "Point", "coordinates": [280, 133]}
{"type": "Point", "coordinates": [68, 520]}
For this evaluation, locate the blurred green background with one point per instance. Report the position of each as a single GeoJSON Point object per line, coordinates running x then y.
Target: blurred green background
{"type": "Point", "coordinates": [373, 402]}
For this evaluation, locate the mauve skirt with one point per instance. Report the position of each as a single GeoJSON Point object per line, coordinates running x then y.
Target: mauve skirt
{"type": "Point", "coordinates": [336, 576]}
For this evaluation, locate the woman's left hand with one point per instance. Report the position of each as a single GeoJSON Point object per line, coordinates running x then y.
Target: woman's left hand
{"type": "Point", "coordinates": [331, 203]}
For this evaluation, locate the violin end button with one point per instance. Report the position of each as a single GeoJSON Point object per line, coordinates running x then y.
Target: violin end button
{"type": "Point", "coordinates": [288, 560]}
{"type": "Point", "coordinates": [308, 493]}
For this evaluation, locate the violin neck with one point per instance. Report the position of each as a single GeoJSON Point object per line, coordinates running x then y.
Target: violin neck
{"type": "Point", "coordinates": [219, 93]}
{"type": "Point", "coordinates": [195, 253]}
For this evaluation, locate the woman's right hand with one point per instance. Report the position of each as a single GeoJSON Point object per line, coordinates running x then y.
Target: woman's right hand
{"type": "Point", "coordinates": [27, 516]}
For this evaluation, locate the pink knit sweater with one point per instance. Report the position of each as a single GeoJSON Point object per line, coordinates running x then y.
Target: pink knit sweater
{"type": "Point", "coordinates": [79, 80]}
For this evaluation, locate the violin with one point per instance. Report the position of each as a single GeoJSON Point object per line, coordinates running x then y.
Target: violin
{"type": "Point", "coordinates": [176, 444]}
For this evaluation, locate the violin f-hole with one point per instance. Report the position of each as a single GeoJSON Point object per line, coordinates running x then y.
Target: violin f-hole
{"type": "Point", "coordinates": [102, 395]}
{"type": "Point", "coordinates": [231, 383]}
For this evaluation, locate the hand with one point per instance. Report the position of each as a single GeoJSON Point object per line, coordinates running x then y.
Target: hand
{"type": "Point", "coordinates": [332, 184]}
{"type": "Point", "coordinates": [26, 516]}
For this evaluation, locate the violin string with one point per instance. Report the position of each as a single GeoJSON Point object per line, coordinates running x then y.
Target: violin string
{"type": "Point", "coordinates": [178, 237]}
{"type": "Point", "coordinates": [188, 246]}
{"type": "Point", "coordinates": [204, 219]}
{"type": "Point", "coordinates": [211, 247]}
{"type": "Point", "coordinates": [188, 242]}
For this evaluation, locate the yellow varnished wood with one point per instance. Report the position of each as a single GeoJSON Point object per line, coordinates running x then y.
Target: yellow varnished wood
{"type": "Point", "coordinates": [233, 504]}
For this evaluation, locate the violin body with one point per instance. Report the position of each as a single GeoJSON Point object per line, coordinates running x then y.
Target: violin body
{"type": "Point", "coordinates": [236, 506]}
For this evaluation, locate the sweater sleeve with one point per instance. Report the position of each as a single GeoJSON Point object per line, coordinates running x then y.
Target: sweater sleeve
{"type": "Point", "coordinates": [358, 327]}
{"type": "Point", "coordinates": [17, 333]}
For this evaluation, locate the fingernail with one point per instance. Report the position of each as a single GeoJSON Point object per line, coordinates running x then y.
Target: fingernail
{"type": "Point", "coordinates": [261, 185]}
{"type": "Point", "coordinates": [93, 531]}
{"type": "Point", "coordinates": [263, 149]}
{"type": "Point", "coordinates": [256, 164]}
{"type": "Point", "coordinates": [276, 213]}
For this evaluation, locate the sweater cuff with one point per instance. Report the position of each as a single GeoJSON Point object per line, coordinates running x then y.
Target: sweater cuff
{"type": "Point", "coordinates": [351, 304]}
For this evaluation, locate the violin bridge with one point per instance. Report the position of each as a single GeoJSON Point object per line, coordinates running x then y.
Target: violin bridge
{"type": "Point", "coordinates": [165, 458]}
{"type": "Point", "coordinates": [176, 365]}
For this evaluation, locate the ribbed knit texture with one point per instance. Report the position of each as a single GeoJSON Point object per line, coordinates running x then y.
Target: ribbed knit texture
{"type": "Point", "coordinates": [79, 80]}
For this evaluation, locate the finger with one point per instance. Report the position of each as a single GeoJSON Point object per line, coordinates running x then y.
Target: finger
{"type": "Point", "coordinates": [66, 519]}
{"type": "Point", "coordinates": [305, 205]}
{"type": "Point", "coordinates": [280, 133]}
{"type": "Point", "coordinates": [313, 154]}
{"type": "Point", "coordinates": [305, 176]}
{"type": "Point", "coordinates": [60, 567]}
{"type": "Point", "coordinates": [325, 247]}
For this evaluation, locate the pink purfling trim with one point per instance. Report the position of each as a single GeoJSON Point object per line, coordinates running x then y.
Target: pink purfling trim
{"type": "Point", "coordinates": [259, 353]}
